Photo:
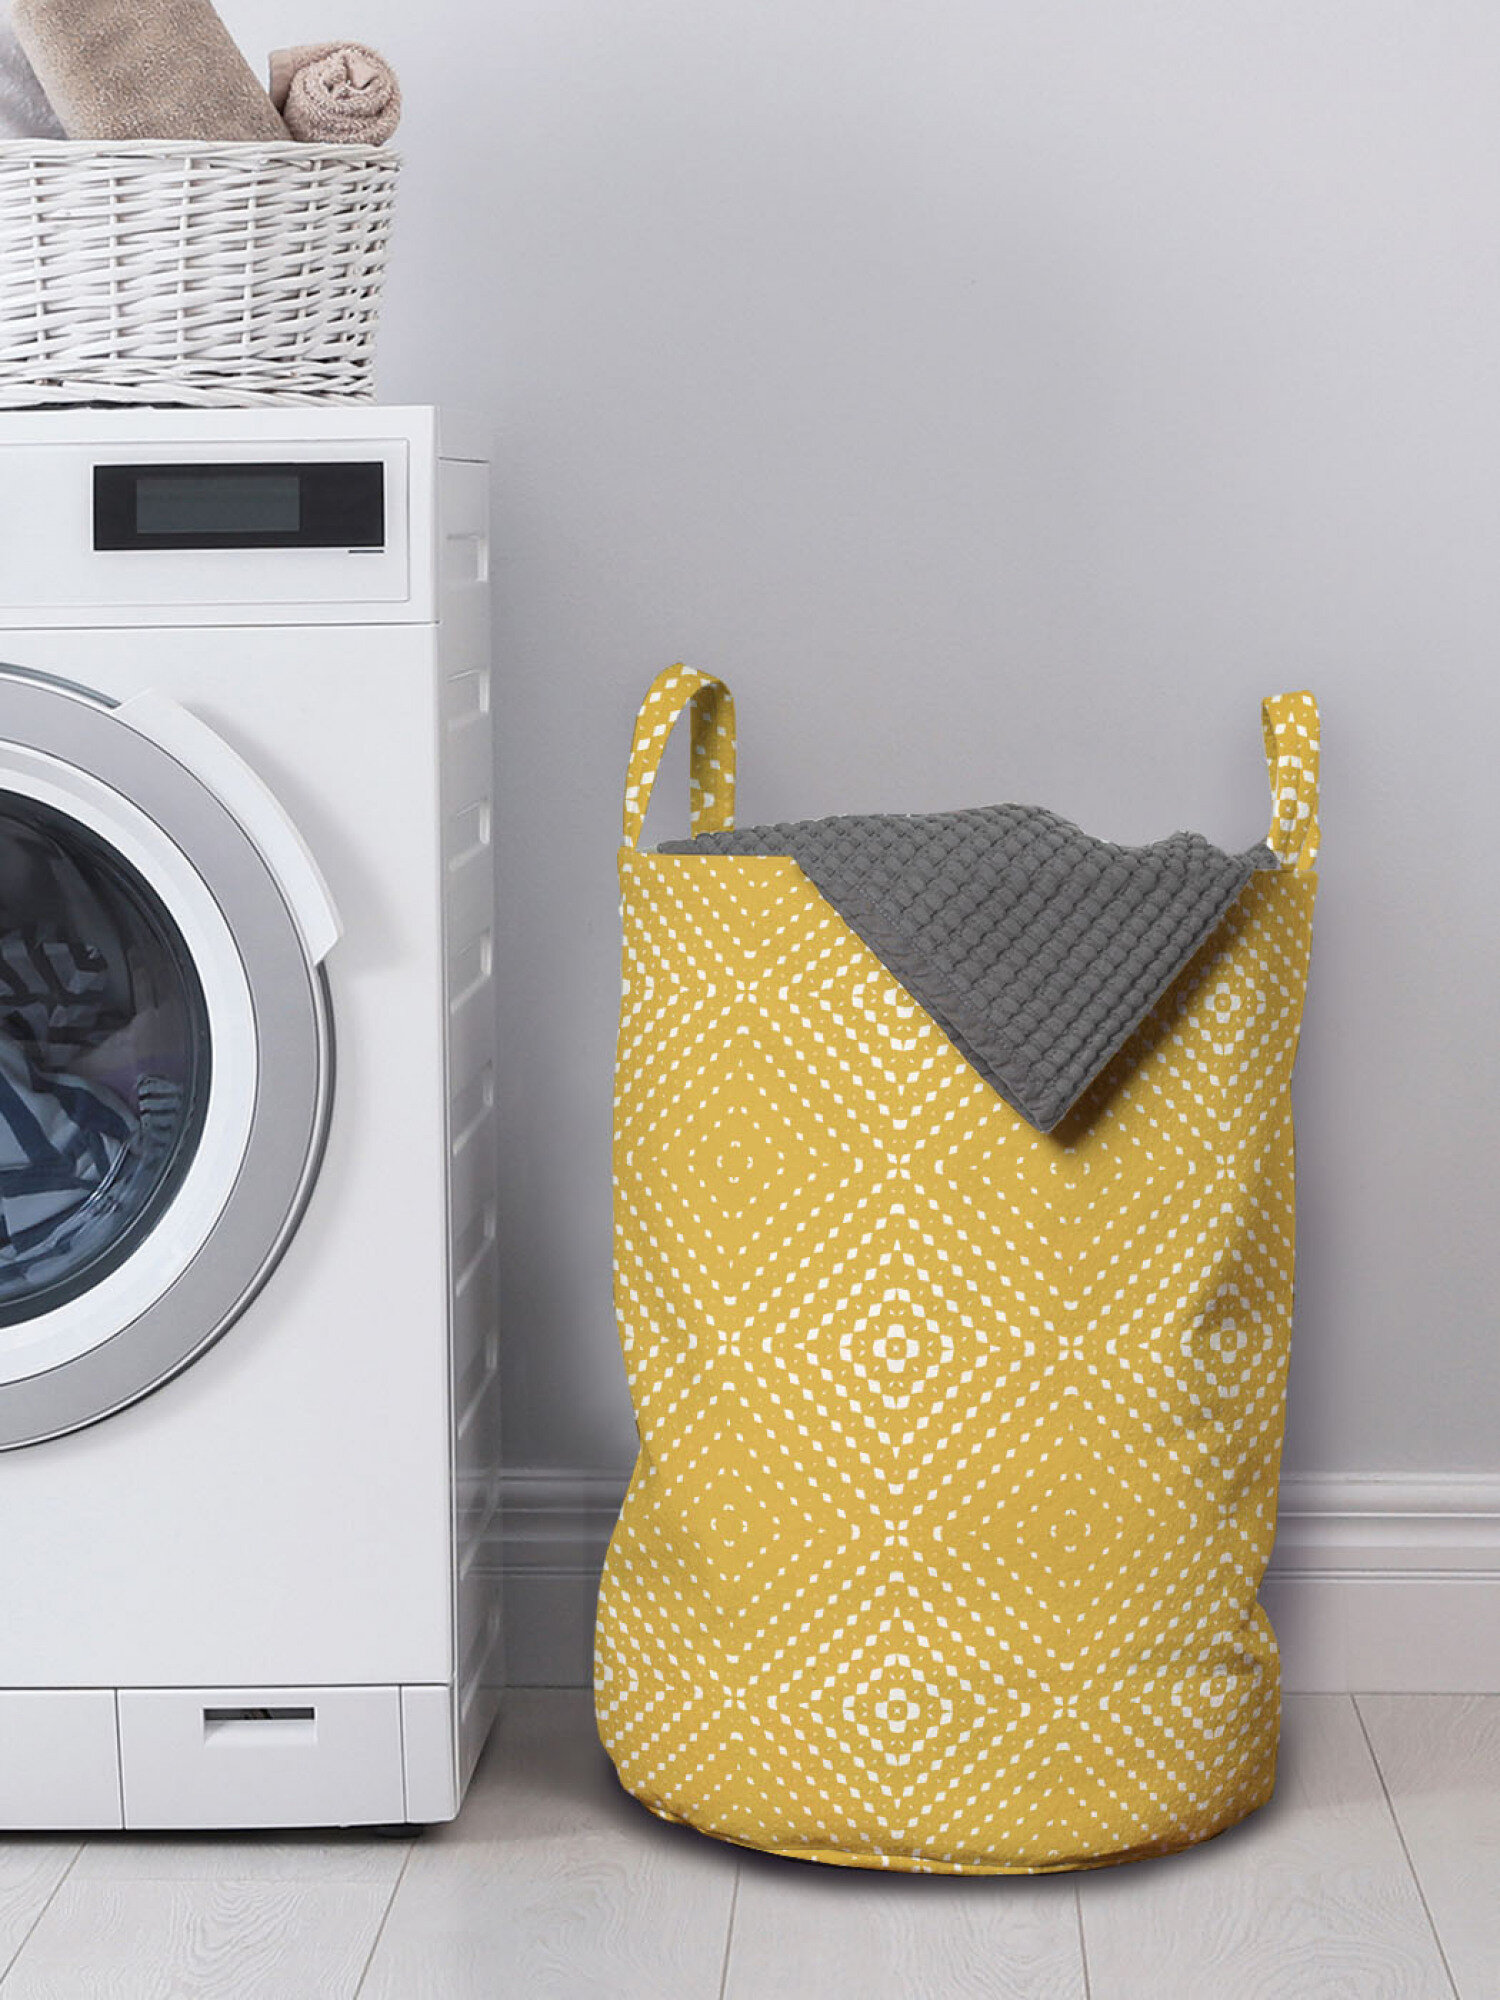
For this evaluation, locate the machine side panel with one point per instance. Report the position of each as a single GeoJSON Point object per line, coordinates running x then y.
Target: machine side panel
{"type": "Point", "coordinates": [466, 782]}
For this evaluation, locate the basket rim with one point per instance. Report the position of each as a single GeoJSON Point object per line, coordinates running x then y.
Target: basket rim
{"type": "Point", "coordinates": [176, 149]}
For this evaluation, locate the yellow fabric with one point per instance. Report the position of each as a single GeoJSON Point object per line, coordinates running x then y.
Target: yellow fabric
{"type": "Point", "coordinates": [959, 1441]}
{"type": "Point", "coordinates": [1289, 724]}
{"type": "Point", "coordinates": [711, 771]}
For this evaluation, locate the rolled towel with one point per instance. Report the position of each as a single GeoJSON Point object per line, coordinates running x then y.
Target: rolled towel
{"type": "Point", "coordinates": [144, 69]}
{"type": "Point", "coordinates": [24, 110]}
{"type": "Point", "coordinates": [336, 93]}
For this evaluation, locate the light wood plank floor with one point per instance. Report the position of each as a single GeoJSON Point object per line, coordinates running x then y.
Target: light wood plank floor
{"type": "Point", "coordinates": [1373, 1875]}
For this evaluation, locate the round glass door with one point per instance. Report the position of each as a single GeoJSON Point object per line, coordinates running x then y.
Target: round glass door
{"type": "Point", "coordinates": [166, 1070]}
{"type": "Point", "coordinates": [104, 1058]}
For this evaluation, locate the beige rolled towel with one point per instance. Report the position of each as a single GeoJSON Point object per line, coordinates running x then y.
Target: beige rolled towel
{"type": "Point", "coordinates": [143, 69]}
{"type": "Point", "coordinates": [336, 93]}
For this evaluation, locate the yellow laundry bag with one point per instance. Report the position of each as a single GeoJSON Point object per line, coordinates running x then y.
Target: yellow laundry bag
{"type": "Point", "coordinates": [959, 1440]}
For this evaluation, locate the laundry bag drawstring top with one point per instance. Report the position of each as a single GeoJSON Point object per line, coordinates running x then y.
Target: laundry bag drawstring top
{"type": "Point", "coordinates": [954, 1226]}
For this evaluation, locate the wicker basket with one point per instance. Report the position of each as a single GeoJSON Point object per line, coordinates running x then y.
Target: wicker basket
{"type": "Point", "coordinates": [149, 271]}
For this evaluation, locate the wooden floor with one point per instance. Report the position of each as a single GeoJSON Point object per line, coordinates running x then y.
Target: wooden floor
{"type": "Point", "coordinates": [1373, 1875]}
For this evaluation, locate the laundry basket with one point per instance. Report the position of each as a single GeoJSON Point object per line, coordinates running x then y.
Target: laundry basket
{"type": "Point", "coordinates": [154, 271]}
{"type": "Point", "coordinates": [955, 1227]}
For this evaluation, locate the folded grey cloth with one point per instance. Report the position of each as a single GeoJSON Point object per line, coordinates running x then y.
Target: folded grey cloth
{"type": "Point", "coordinates": [1036, 947]}
{"type": "Point", "coordinates": [336, 93]}
{"type": "Point", "coordinates": [144, 69]}
{"type": "Point", "coordinates": [24, 110]}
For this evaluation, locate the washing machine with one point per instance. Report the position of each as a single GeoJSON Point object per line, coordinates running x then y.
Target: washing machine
{"type": "Point", "coordinates": [248, 1316]}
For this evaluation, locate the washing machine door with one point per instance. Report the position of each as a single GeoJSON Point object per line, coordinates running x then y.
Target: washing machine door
{"type": "Point", "coordinates": [165, 1046]}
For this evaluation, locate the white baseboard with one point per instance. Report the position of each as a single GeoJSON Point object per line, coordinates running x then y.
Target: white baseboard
{"type": "Point", "coordinates": [1387, 1585]}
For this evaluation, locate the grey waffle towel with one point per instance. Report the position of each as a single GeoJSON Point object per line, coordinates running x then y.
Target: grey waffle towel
{"type": "Point", "coordinates": [1035, 947]}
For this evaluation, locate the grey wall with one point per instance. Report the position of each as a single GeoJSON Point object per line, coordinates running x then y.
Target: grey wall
{"type": "Point", "coordinates": [1003, 397]}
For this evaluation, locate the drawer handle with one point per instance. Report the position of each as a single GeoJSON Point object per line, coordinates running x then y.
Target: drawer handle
{"type": "Point", "coordinates": [260, 1725]}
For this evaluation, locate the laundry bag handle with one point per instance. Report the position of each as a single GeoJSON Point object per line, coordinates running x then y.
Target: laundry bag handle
{"type": "Point", "coordinates": [1289, 723]}
{"type": "Point", "coordinates": [711, 769]}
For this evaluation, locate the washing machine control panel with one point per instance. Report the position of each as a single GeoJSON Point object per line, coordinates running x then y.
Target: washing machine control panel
{"type": "Point", "coordinates": [160, 532]}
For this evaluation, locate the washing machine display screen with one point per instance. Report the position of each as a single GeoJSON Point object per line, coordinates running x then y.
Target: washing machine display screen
{"type": "Point", "coordinates": [228, 503]}
{"type": "Point", "coordinates": [324, 503]}
{"type": "Point", "coordinates": [104, 1059]}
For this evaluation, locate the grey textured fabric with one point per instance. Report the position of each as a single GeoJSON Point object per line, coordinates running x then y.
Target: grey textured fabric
{"type": "Point", "coordinates": [24, 110]}
{"type": "Point", "coordinates": [1034, 946]}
